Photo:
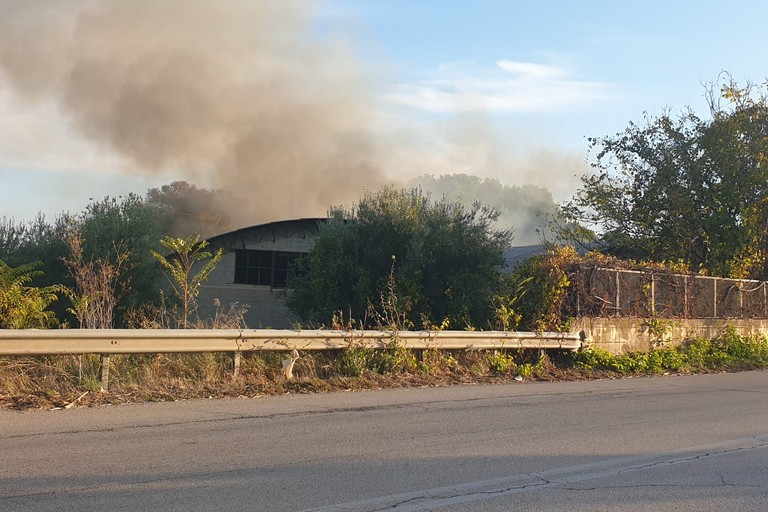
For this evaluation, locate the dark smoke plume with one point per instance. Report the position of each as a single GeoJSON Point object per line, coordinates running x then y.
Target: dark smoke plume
{"type": "Point", "coordinates": [237, 95]}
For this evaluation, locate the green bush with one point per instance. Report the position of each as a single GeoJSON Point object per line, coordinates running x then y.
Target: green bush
{"type": "Point", "coordinates": [449, 261]}
{"type": "Point", "coordinates": [501, 362]}
{"type": "Point", "coordinates": [594, 359]}
{"type": "Point", "coordinates": [352, 362]}
{"type": "Point", "coordinates": [727, 351]}
{"type": "Point", "coordinates": [394, 359]}
{"type": "Point", "coordinates": [23, 306]}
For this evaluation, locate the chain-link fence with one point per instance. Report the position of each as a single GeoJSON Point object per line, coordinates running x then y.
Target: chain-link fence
{"type": "Point", "coordinates": [614, 292]}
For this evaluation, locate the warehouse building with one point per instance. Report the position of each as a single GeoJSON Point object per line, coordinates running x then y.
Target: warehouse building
{"type": "Point", "coordinates": [254, 270]}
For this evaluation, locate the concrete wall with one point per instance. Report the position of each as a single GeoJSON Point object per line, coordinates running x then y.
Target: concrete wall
{"type": "Point", "coordinates": [266, 306]}
{"type": "Point", "coordinates": [621, 335]}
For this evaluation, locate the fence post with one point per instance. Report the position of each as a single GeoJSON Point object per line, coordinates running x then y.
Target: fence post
{"type": "Point", "coordinates": [618, 294]}
{"type": "Point", "coordinates": [686, 313]}
{"type": "Point", "coordinates": [741, 299]}
{"type": "Point", "coordinates": [578, 294]}
{"type": "Point", "coordinates": [714, 298]}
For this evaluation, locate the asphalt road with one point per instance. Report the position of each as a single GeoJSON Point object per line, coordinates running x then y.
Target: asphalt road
{"type": "Point", "coordinates": [669, 443]}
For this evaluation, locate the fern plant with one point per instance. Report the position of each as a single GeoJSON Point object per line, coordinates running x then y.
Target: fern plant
{"type": "Point", "coordinates": [22, 306]}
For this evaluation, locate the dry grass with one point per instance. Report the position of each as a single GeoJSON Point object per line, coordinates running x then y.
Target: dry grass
{"type": "Point", "coordinates": [67, 381]}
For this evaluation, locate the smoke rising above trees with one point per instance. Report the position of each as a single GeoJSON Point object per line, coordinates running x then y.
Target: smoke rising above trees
{"type": "Point", "coordinates": [234, 94]}
{"type": "Point", "coordinates": [241, 96]}
{"type": "Point", "coordinates": [525, 209]}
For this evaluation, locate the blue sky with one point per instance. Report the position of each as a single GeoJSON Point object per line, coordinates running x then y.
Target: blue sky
{"type": "Point", "coordinates": [501, 89]}
{"type": "Point", "coordinates": [592, 66]}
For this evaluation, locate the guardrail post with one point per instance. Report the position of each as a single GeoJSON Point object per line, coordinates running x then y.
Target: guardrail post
{"type": "Point", "coordinates": [236, 364]}
{"type": "Point", "coordinates": [104, 359]}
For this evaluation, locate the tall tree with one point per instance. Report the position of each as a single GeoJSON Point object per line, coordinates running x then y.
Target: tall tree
{"type": "Point", "coordinates": [447, 260]}
{"type": "Point", "coordinates": [124, 228]}
{"type": "Point", "coordinates": [133, 226]}
{"type": "Point", "coordinates": [685, 188]}
{"type": "Point", "coordinates": [36, 240]}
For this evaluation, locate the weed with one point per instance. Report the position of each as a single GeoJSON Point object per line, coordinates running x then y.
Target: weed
{"type": "Point", "coordinates": [434, 361]}
{"type": "Point", "coordinates": [501, 362]}
{"type": "Point", "coordinates": [352, 361]}
{"type": "Point", "coordinates": [659, 329]}
{"type": "Point", "coordinates": [506, 309]}
{"type": "Point", "coordinates": [394, 359]}
{"type": "Point", "coordinates": [594, 358]}
{"type": "Point", "coordinates": [525, 370]}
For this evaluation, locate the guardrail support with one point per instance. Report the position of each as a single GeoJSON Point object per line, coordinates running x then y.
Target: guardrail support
{"type": "Point", "coordinates": [236, 364]}
{"type": "Point", "coordinates": [104, 360]}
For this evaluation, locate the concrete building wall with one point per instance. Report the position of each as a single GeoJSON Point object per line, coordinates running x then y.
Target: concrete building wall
{"type": "Point", "coordinates": [266, 305]}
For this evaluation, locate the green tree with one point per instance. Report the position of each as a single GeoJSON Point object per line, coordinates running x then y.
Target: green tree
{"type": "Point", "coordinates": [185, 254]}
{"type": "Point", "coordinates": [36, 240]}
{"type": "Point", "coordinates": [124, 222]}
{"type": "Point", "coordinates": [22, 306]}
{"type": "Point", "coordinates": [132, 225]}
{"type": "Point", "coordinates": [686, 189]}
{"type": "Point", "coordinates": [447, 261]}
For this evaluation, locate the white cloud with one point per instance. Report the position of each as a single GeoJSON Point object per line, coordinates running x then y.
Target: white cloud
{"type": "Point", "coordinates": [509, 87]}
{"type": "Point", "coordinates": [529, 70]}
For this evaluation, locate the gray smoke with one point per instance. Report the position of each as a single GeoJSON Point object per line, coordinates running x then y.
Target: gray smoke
{"type": "Point", "coordinates": [237, 95]}
{"type": "Point", "coordinates": [240, 95]}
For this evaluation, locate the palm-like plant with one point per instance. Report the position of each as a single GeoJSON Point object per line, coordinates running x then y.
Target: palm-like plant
{"type": "Point", "coordinates": [185, 253]}
{"type": "Point", "coordinates": [22, 306]}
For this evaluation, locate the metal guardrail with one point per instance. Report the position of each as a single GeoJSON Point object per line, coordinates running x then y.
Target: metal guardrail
{"type": "Point", "coordinates": [129, 341]}
{"type": "Point", "coordinates": [107, 342]}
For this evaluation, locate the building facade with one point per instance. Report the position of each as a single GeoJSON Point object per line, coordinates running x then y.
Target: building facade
{"type": "Point", "coordinates": [254, 269]}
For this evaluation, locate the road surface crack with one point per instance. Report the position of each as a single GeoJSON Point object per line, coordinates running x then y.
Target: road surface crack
{"type": "Point", "coordinates": [452, 496]}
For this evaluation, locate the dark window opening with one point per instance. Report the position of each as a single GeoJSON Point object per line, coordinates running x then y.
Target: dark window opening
{"type": "Point", "coordinates": [266, 268]}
